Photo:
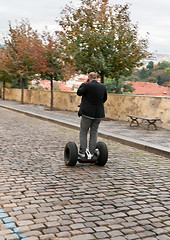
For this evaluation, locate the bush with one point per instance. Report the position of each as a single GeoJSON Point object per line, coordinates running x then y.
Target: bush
{"type": "Point", "coordinates": [113, 86]}
{"type": "Point", "coordinates": [118, 86]}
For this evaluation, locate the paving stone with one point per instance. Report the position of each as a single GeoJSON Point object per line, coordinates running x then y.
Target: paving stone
{"type": "Point", "coordinates": [75, 232]}
{"type": "Point", "coordinates": [77, 226]}
{"type": "Point", "coordinates": [90, 224]}
{"type": "Point", "coordinates": [129, 224]}
{"type": "Point", "coordinates": [151, 238]}
{"type": "Point", "coordinates": [144, 216]}
{"type": "Point", "coordinates": [163, 237]}
{"type": "Point", "coordinates": [115, 227]}
{"type": "Point", "coordinates": [146, 234]}
{"type": "Point", "coordinates": [52, 224]}
{"type": "Point", "coordinates": [24, 217]}
{"type": "Point", "coordinates": [167, 223]}
{"type": "Point", "coordinates": [132, 236]}
{"type": "Point", "coordinates": [50, 230]}
{"type": "Point", "coordinates": [101, 235]}
{"type": "Point", "coordinates": [25, 223]}
{"type": "Point", "coordinates": [127, 231]}
{"type": "Point", "coordinates": [115, 233]}
{"type": "Point", "coordinates": [38, 226]}
{"type": "Point", "coordinates": [33, 233]}
{"type": "Point", "coordinates": [133, 213]}
{"type": "Point", "coordinates": [63, 234]}
{"type": "Point", "coordinates": [160, 231]}
{"type": "Point", "coordinates": [83, 237]}
{"type": "Point", "coordinates": [101, 229]}
{"type": "Point", "coordinates": [47, 237]}
{"type": "Point", "coordinates": [87, 230]}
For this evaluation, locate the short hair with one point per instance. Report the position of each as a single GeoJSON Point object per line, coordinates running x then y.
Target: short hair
{"type": "Point", "coordinates": [92, 75]}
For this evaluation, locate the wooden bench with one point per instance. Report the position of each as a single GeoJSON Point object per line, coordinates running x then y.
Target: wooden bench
{"type": "Point", "coordinates": [151, 121]}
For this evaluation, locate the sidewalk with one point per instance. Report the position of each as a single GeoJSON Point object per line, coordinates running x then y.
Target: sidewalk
{"type": "Point", "coordinates": [157, 142]}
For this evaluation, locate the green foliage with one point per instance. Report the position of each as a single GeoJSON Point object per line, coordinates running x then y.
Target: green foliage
{"type": "Point", "coordinates": [129, 78]}
{"type": "Point", "coordinates": [17, 83]}
{"type": "Point", "coordinates": [53, 57]}
{"type": "Point", "coordinates": [143, 74]}
{"type": "Point", "coordinates": [163, 65]}
{"type": "Point", "coordinates": [118, 86]}
{"type": "Point", "coordinates": [163, 80]}
{"type": "Point", "coordinates": [5, 76]}
{"type": "Point", "coordinates": [56, 87]}
{"type": "Point", "coordinates": [102, 38]}
{"type": "Point", "coordinates": [159, 74]}
{"type": "Point", "coordinates": [151, 79]}
{"type": "Point", "coordinates": [25, 51]}
{"type": "Point", "coordinates": [128, 88]}
{"type": "Point", "coordinates": [110, 84]}
{"type": "Point", "coordinates": [167, 70]}
{"type": "Point", "coordinates": [156, 75]}
{"type": "Point", "coordinates": [25, 54]}
{"type": "Point", "coordinates": [150, 65]}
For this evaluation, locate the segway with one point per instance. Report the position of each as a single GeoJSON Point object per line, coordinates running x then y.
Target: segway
{"type": "Point", "coordinates": [99, 157]}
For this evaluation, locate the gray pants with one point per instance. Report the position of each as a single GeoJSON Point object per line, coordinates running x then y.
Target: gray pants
{"type": "Point", "coordinates": [85, 125]}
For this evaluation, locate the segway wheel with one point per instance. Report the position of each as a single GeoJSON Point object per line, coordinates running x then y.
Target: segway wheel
{"type": "Point", "coordinates": [70, 154]}
{"type": "Point", "coordinates": [103, 154]}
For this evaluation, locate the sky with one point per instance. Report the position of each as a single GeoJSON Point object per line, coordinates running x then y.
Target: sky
{"type": "Point", "coordinates": [152, 16]}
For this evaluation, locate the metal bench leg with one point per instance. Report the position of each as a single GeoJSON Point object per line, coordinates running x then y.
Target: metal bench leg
{"type": "Point", "coordinates": [151, 123]}
{"type": "Point", "coordinates": [134, 121]}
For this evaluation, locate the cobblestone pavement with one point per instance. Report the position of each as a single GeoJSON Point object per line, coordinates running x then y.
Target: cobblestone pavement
{"type": "Point", "coordinates": [41, 198]}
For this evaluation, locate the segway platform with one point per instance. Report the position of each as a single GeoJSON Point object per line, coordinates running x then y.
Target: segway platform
{"type": "Point", "coordinates": [99, 157]}
{"type": "Point", "coordinates": [88, 157]}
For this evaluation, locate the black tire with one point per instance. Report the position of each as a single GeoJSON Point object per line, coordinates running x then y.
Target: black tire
{"type": "Point", "coordinates": [103, 154]}
{"type": "Point", "coordinates": [70, 154]}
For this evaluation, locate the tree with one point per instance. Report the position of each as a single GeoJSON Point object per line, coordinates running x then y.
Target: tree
{"type": "Point", "coordinates": [57, 65]}
{"type": "Point", "coordinates": [150, 65]}
{"type": "Point", "coordinates": [151, 79]}
{"type": "Point", "coordinates": [102, 38]}
{"type": "Point", "coordinates": [4, 69]}
{"type": "Point", "coordinates": [128, 88]}
{"type": "Point", "coordinates": [163, 65]}
{"type": "Point", "coordinates": [143, 74]}
{"type": "Point", "coordinates": [25, 52]}
{"type": "Point", "coordinates": [164, 80]}
{"type": "Point", "coordinates": [162, 75]}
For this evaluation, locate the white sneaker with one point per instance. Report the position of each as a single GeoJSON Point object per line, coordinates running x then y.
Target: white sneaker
{"type": "Point", "coordinates": [88, 154]}
{"type": "Point", "coordinates": [82, 155]}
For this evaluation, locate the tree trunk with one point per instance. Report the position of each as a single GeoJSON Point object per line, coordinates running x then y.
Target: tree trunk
{"type": "Point", "coordinates": [51, 107]}
{"type": "Point", "coordinates": [22, 90]}
{"type": "Point", "coordinates": [102, 76]}
{"type": "Point", "coordinates": [3, 97]}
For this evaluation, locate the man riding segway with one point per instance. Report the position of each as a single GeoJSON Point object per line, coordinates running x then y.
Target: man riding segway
{"type": "Point", "coordinates": [94, 95]}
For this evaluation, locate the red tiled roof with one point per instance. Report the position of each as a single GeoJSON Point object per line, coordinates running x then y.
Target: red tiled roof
{"type": "Point", "coordinates": [46, 84]}
{"type": "Point", "coordinates": [147, 88]}
{"type": "Point", "coordinates": [64, 88]}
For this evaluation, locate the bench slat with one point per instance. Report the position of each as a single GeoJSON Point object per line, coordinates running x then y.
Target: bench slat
{"type": "Point", "coordinates": [145, 118]}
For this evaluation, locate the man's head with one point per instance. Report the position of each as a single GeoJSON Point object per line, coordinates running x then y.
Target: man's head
{"type": "Point", "coordinates": [92, 76]}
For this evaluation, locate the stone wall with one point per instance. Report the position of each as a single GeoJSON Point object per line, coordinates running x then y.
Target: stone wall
{"type": "Point", "coordinates": [116, 107]}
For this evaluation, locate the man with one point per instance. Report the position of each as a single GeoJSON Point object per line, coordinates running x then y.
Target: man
{"type": "Point", "coordinates": [94, 95]}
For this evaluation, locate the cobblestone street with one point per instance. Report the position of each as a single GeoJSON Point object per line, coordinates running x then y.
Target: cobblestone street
{"type": "Point", "coordinates": [41, 198]}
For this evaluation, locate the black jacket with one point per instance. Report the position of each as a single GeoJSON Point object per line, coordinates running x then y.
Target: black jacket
{"type": "Point", "coordinates": [93, 94]}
